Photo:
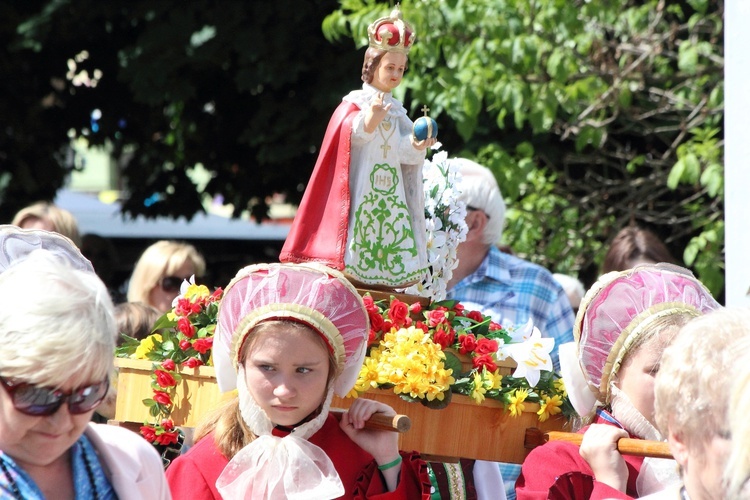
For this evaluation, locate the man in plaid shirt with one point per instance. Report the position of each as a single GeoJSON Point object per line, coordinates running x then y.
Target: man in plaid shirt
{"type": "Point", "coordinates": [509, 289]}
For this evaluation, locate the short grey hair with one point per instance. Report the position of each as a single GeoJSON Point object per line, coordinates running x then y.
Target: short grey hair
{"type": "Point", "coordinates": [56, 323]}
{"type": "Point", "coordinates": [479, 190]}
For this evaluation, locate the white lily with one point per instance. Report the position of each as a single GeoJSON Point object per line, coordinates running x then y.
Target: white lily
{"type": "Point", "coordinates": [532, 355]}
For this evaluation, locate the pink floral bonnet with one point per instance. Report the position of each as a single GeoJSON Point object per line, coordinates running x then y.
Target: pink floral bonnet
{"type": "Point", "coordinates": [312, 294]}
{"type": "Point", "coordinates": [619, 308]}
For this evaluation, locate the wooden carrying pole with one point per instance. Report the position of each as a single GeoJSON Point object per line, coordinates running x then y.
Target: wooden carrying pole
{"type": "Point", "coordinates": [626, 446]}
{"type": "Point", "coordinates": [396, 423]}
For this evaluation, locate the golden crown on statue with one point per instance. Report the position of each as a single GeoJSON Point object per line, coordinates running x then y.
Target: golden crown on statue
{"type": "Point", "coordinates": [391, 33]}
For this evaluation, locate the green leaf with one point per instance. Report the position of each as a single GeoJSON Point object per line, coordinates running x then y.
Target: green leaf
{"type": "Point", "coordinates": [154, 411]}
{"type": "Point", "coordinates": [692, 168]}
{"type": "Point", "coordinates": [453, 363]}
{"type": "Point", "coordinates": [675, 175]}
{"type": "Point", "coordinates": [713, 179]}
{"type": "Point", "coordinates": [699, 5]}
{"type": "Point", "coordinates": [635, 163]}
{"type": "Point", "coordinates": [163, 323]}
{"type": "Point", "coordinates": [687, 59]}
{"type": "Point", "coordinates": [436, 404]}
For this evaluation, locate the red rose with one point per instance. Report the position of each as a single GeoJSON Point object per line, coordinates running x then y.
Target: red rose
{"type": "Point", "coordinates": [371, 336]}
{"type": "Point", "coordinates": [167, 438]}
{"type": "Point", "coordinates": [216, 295]}
{"type": "Point", "coordinates": [168, 364]}
{"type": "Point", "coordinates": [495, 327]}
{"type": "Point", "coordinates": [436, 316]}
{"type": "Point", "coordinates": [398, 313]}
{"type": "Point", "coordinates": [183, 307]}
{"type": "Point", "coordinates": [475, 315]}
{"type": "Point", "coordinates": [467, 343]}
{"type": "Point", "coordinates": [387, 325]}
{"type": "Point", "coordinates": [167, 424]}
{"type": "Point", "coordinates": [148, 433]}
{"type": "Point", "coordinates": [184, 344]}
{"type": "Point", "coordinates": [445, 339]}
{"type": "Point", "coordinates": [196, 307]}
{"type": "Point", "coordinates": [423, 327]}
{"type": "Point", "coordinates": [192, 363]}
{"type": "Point", "coordinates": [459, 309]}
{"type": "Point", "coordinates": [162, 398]}
{"type": "Point", "coordinates": [415, 308]}
{"type": "Point", "coordinates": [376, 320]}
{"type": "Point", "coordinates": [164, 379]}
{"type": "Point", "coordinates": [369, 304]}
{"type": "Point", "coordinates": [186, 327]}
{"type": "Point", "coordinates": [203, 345]}
{"type": "Point", "coordinates": [485, 360]}
{"type": "Point", "coordinates": [486, 346]}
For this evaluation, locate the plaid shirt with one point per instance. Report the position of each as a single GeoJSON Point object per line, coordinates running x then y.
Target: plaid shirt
{"type": "Point", "coordinates": [512, 290]}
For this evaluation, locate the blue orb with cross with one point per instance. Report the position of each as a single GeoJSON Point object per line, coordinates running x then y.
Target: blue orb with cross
{"type": "Point", "coordinates": [424, 126]}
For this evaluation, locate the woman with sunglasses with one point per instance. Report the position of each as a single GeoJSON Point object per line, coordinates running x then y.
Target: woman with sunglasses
{"type": "Point", "coordinates": [160, 271]}
{"type": "Point", "coordinates": [57, 337]}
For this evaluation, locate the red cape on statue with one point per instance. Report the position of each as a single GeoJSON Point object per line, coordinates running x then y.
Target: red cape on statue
{"type": "Point", "coordinates": [320, 228]}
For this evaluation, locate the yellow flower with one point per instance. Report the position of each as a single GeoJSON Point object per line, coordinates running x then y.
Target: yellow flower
{"type": "Point", "coordinates": [496, 379]}
{"type": "Point", "coordinates": [560, 387]}
{"type": "Point", "coordinates": [146, 346]}
{"type": "Point", "coordinates": [409, 360]}
{"type": "Point", "coordinates": [477, 394]}
{"type": "Point", "coordinates": [516, 405]}
{"type": "Point", "coordinates": [550, 406]}
{"type": "Point", "coordinates": [197, 292]}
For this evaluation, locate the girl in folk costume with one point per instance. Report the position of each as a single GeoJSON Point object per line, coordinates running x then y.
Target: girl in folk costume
{"type": "Point", "coordinates": [624, 323]}
{"type": "Point", "coordinates": [288, 336]}
{"type": "Point", "coordinates": [363, 210]}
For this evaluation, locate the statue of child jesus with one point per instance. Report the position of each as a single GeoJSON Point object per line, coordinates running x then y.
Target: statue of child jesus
{"type": "Point", "coordinates": [363, 210]}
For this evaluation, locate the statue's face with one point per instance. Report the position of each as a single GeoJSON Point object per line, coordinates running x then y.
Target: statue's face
{"type": "Point", "coordinates": [390, 71]}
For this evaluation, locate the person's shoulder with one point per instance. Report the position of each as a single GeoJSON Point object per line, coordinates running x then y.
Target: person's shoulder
{"type": "Point", "coordinates": [204, 452]}
{"type": "Point", "coordinates": [121, 439]}
{"type": "Point", "coordinates": [124, 450]}
{"type": "Point", "coordinates": [526, 270]}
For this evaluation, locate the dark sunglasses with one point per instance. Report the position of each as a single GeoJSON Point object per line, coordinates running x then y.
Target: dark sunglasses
{"type": "Point", "coordinates": [171, 283]}
{"type": "Point", "coordinates": [42, 401]}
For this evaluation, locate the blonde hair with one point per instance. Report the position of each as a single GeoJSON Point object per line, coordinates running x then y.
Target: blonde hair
{"type": "Point", "coordinates": [62, 221]}
{"type": "Point", "coordinates": [737, 470]}
{"type": "Point", "coordinates": [695, 374]}
{"type": "Point", "coordinates": [159, 260]}
{"type": "Point", "coordinates": [231, 433]}
{"type": "Point", "coordinates": [56, 323]}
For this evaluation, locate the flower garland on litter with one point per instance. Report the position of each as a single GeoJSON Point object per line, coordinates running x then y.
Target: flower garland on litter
{"type": "Point", "coordinates": [419, 359]}
{"type": "Point", "coordinates": [182, 338]}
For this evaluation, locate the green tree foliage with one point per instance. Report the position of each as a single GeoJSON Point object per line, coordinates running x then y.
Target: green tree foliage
{"type": "Point", "coordinates": [592, 114]}
{"type": "Point", "coordinates": [243, 88]}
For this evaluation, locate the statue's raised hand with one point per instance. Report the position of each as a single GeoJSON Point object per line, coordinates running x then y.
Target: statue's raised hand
{"type": "Point", "coordinates": [376, 112]}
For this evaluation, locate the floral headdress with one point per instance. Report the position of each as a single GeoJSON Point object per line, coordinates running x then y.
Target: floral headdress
{"type": "Point", "coordinates": [617, 311]}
